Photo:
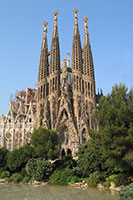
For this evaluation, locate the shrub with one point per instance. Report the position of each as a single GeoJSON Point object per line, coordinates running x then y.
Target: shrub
{"type": "Point", "coordinates": [78, 172]}
{"type": "Point", "coordinates": [5, 174]}
{"type": "Point", "coordinates": [23, 172]}
{"type": "Point", "coordinates": [94, 179]}
{"type": "Point", "coordinates": [127, 192]}
{"type": "Point", "coordinates": [26, 179]}
{"type": "Point", "coordinates": [118, 179]}
{"type": "Point", "coordinates": [39, 169]}
{"type": "Point", "coordinates": [74, 179]}
{"type": "Point", "coordinates": [9, 179]}
{"type": "Point", "coordinates": [16, 177]}
{"type": "Point", "coordinates": [61, 177]}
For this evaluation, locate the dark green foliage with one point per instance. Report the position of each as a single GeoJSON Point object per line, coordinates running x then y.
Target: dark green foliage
{"type": "Point", "coordinates": [45, 143]}
{"type": "Point", "coordinates": [23, 172]}
{"type": "Point", "coordinates": [26, 179]}
{"type": "Point", "coordinates": [19, 157]}
{"type": "Point", "coordinates": [3, 157]}
{"type": "Point", "coordinates": [118, 179]}
{"type": "Point", "coordinates": [39, 169]}
{"type": "Point", "coordinates": [61, 177]}
{"type": "Point", "coordinates": [110, 150]}
{"type": "Point", "coordinates": [94, 179]}
{"type": "Point", "coordinates": [127, 192]}
{"type": "Point", "coordinates": [5, 174]}
{"type": "Point", "coordinates": [16, 178]}
{"type": "Point", "coordinates": [66, 162]}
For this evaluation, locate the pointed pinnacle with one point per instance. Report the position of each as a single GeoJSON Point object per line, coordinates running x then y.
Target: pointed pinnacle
{"type": "Point", "coordinates": [75, 10]}
{"type": "Point", "coordinates": [45, 23]}
{"type": "Point", "coordinates": [55, 12]}
{"type": "Point", "coordinates": [85, 19]}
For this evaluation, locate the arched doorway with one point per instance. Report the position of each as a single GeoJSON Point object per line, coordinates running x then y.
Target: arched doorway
{"type": "Point", "coordinates": [69, 152]}
{"type": "Point", "coordinates": [63, 153]}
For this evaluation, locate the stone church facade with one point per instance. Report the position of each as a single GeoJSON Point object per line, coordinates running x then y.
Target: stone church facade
{"type": "Point", "coordinates": [65, 97]}
{"type": "Point", "coordinates": [18, 125]}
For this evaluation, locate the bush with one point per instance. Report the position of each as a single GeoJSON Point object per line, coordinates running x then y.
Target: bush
{"type": "Point", "coordinates": [39, 169]}
{"type": "Point", "coordinates": [9, 180]}
{"type": "Point", "coordinates": [18, 158]}
{"type": "Point", "coordinates": [127, 192]}
{"type": "Point", "coordinates": [78, 172]}
{"type": "Point", "coordinates": [65, 162]}
{"type": "Point", "coordinates": [74, 179]}
{"type": "Point", "coordinates": [23, 172]}
{"type": "Point", "coordinates": [94, 179]}
{"type": "Point", "coordinates": [61, 177]}
{"type": "Point", "coordinates": [26, 179]}
{"type": "Point", "coordinates": [118, 179]}
{"type": "Point", "coordinates": [45, 143]}
{"type": "Point", "coordinates": [5, 174]}
{"type": "Point", "coordinates": [16, 177]}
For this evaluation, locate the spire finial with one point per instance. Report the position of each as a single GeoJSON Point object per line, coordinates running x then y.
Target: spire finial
{"type": "Point", "coordinates": [45, 26]}
{"type": "Point", "coordinates": [85, 19]}
{"type": "Point", "coordinates": [55, 18]}
{"type": "Point", "coordinates": [55, 15]}
{"type": "Point", "coordinates": [85, 25]}
{"type": "Point", "coordinates": [75, 17]}
{"type": "Point", "coordinates": [75, 10]}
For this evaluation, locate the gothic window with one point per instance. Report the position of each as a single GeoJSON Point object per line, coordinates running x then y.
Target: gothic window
{"type": "Point", "coordinates": [41, 91]}
{"type": "Point", "coordinates": [89, 89]}
{"type": "Point", "coordinates": [44, 91]}
{"type": "Point", "coordinates": [80, 84]}
{"type": "Point", "coordinates": [55, 83]}
{"type": "Point", "coordinates": [77, 83]}
{"type": "Point", "coordinates": [86, 88]}
{"type": "Point", "coordinates": [83, 86]}
{"type": "Point", "coordinates": [47, 89]}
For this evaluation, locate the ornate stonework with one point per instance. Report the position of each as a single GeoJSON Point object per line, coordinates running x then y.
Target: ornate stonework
{"type": "Point", "coordinates": [18, 125]}
{"type": "Point", "coordinates": [66, 96]}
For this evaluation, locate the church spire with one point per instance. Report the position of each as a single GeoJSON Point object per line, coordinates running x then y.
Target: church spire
{"type": "Point", "coordinates": [88, 68]}
{"type": "Point", "coordinates": [55, 51]}
{"type": "Point", "coordinates": [76, 48]}
{"type": "Point", "coordinates": [43, 65]}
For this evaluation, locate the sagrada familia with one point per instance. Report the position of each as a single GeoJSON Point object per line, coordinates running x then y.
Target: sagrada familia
{"type": "Point", "coordinates": [65, 98]}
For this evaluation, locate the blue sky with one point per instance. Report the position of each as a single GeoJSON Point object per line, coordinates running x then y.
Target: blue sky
{"type": "Point", "coordinates": [110, 24]}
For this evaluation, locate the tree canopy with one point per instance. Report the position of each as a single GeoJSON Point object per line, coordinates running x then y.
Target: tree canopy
{"type": "Point", "coordinates": [111, 148]}
{"type": "Point", "coordinates": [45, 143]}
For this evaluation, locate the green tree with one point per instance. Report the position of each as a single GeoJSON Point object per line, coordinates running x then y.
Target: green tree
{"type": "Point", "coordinates": [110, 150]}
{"type": "Point", "coordinates": [39, 169]}
{"type": "Point", "coordinates": [18, 158]}
{"type": "Point", "coordinates": [3, 157]}
{"type": "Point", "coordinates": [45, 143]}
